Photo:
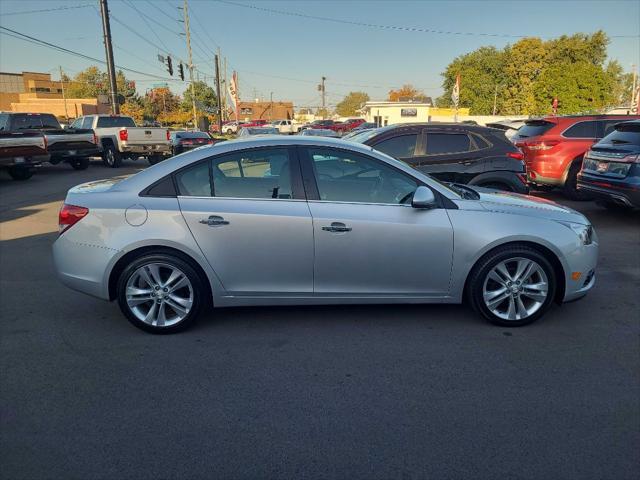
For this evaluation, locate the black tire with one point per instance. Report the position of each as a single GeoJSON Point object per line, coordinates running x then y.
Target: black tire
{"type": "Point", "coordinates": [20, 173]}
{"type": "Point", "coordinates": [200, 292]}
{"type": "Point", "coordinates": [614, 206]}
{"type": "Point", "coordinates": [485, 265]}
{"type": "Point", "coordinates": [570, 188]}
{"type": "Point", "coordinates": [79, 163]}
{"type": "Point", "coordinates": [111, 156]}
{"type": "Point", "coordinates": [153, 159]}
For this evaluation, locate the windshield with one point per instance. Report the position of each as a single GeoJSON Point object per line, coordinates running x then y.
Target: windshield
{"type": "Point", "coordinates": [113, 122]}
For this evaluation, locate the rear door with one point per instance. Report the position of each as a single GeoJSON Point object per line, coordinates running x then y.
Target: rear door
{"type": "Point", "coordinates": [449, 154]}
{"type": "Point", "coordinates": [247, 212]}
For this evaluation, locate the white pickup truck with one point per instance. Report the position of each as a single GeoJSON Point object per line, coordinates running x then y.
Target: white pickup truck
{"type": "Point", "coordinates": [286, 127]}
{"type": "Point", "coordinates": [120, 138]}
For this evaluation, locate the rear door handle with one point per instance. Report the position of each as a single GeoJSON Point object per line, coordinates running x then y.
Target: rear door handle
{"type": "Point", "coordinates": [337, 227]}
{"type": "Point", "coordinates": [214, 221]}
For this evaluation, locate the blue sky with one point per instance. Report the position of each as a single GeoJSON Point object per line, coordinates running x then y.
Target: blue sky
{"type": "Point", "coordinates": [263, 45]}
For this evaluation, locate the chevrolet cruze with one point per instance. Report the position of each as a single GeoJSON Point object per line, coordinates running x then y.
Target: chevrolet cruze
{"type": "Point", "coordinates": [310, 220]}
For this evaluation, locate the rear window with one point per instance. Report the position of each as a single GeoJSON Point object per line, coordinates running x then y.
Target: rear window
{"type": "Point", "coordinates": [533, 129]}
{"type": "Point", "coordinates": [628, 134]}
{"type": "Point", "coordinates": [192, 135]}
{"type": "Point", "coordinates": [113, 122]}
{"type": "Point", "coordinates": [26, 121]}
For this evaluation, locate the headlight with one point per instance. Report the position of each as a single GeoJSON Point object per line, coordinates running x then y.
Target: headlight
{"type": "Point", "coordinates": [584, 232]}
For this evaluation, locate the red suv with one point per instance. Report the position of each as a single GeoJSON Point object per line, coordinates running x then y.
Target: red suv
{"type": "Point", "coordinates": [553, 147]}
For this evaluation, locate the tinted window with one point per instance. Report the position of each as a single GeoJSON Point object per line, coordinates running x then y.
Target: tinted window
{"type": "Point", "coordinates": [533, 129]}
{"type": "Point", "coordinates": [164, 188]}
{"type": "Point", "coordinates": [447, 143]}
{"type": "Point", "coordinates": [49, 121]}
{"type": "Point", "coordinates": [624, 135]}
{"type": "Point", "coordinates": [192, 135]}
{"type": "Point", "coordinates": [263, 173]}
{"type": "Point", "coordinates": [4, 121]}
{"type": "Point", "coordinates": [37, 122]}
{"type": "Point", "coordinates": [398, 147]}
{"type": "Point", "coordinates": [194, 181]}
{"type": "Point", "coordinates": [582, 130]}
{"type": "Point", "coordinates": [112, 122]}
{"type": "Point", "coordinates": [349, 177]}
{"type": "Point", "coordinates": [609, 126]}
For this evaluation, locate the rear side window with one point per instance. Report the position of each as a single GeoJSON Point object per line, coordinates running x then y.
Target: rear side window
{"type": "Point", "coordinates": [582, 130]}
{"type": "Point", "coordinates": [533, 129]}
{"type": "Point", "coordinates": [262, 173]}
{"type": "Point", "coordinates": [439, 143]}
{"type": "Point", "coordinates": [398, 147]}
{"type": "Point", "coordinates": [194, 181]}
{"type": "Point", "coordinates": [49, 121]}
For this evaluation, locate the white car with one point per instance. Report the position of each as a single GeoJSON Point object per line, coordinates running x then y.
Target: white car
{"type": "Point", "coordinates": [286, 127]}
{"type": "Point", "coordinates": [231, 127]}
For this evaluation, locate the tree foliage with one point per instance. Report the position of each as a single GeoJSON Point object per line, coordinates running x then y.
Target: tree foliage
{"type": "Point", "coordinates": [525, 77]}
{"type": "Point", "coordinates": [92, 81]}
{"type": "Point", "coordinates": [205, 96]}
{"type": "Point", "coordinates": [351, 104]}
{"type": "Point", "coordinates": [407, 93]}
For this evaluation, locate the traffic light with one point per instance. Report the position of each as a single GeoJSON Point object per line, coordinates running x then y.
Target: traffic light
{"type": "Point", "coordinates": [169, 66]}
{"type": "Point", "coordinates": [181, 71]}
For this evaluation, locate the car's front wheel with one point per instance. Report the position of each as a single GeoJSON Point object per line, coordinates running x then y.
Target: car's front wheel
{"type": "Point", "coordinates": [161, 293]}
{"type": "Point", "coordinates": [512, 286]}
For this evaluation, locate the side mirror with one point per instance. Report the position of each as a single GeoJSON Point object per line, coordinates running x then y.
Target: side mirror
{"type": "Point", "coordinates": [423, 197]}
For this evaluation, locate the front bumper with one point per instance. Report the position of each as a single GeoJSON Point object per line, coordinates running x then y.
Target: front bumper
{"type": "Point", "coordinates": [582, 260]}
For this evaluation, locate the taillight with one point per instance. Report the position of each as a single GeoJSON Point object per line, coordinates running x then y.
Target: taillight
{"type": "Point", "coordinates": [168, 135]}
{"type": "Point", "coordinates": [70, 215]}
{"type": "Point", "coordinates": [541, 145]}
{"type": "Point", "coordinates": [95, 138]}
{"type": "Point", "coordinates": [516, 155]}
{"type": "Point", "coordinates": [124, 135]}
{"type": "Point", "coordinates": [44, 140]}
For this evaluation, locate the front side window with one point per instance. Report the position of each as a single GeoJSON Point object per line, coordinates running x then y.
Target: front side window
{"type": "Point", "coordinates": [87, 122]}
{"type": "Point", "coordinates": [77, 123]}
{"type": "Point", "coordinates": [398, 147]}
{"type": "Point", "coordinates": [582, 130]}
{"type": "Point", "coordinates": [260, 173]}
{"type": "Point", "coordinates": [440, 143]}
{"type": "Point", "coordinates": [343, 176]}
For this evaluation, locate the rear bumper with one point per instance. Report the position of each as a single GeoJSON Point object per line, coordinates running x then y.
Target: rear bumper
{"type": "Point", "coordinates": [75, 153]}
{"type": "Point", "coordinates": [625, 192]}
{"type": "Point", "coordinates": [25, 162]}
{"type": "Point", "coordinates": [163, 149]}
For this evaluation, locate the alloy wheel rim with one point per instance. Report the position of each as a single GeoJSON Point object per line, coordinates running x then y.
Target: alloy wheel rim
{"type": "Point", "coordinates": [159, 294]}
{"type": "Point", "coordinates": [515, 288]}
{"type": "Point", "coordinates": [110, 157]}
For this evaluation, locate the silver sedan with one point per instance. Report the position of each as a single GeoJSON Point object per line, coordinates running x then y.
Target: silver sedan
{"type": "Point", "coordinates": [309, 220]}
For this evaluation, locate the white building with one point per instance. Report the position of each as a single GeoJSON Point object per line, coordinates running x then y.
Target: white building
{"type": "Point", "coordinates": [389, 113]}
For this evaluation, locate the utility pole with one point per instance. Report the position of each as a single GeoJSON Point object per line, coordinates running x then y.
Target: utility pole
{"type": "Point", "coordinates": [218, 93]}
{"type": "Point", "coordinates": [64, 99]}
{"type": "Point", "coordinates": [633, 87]}
{"type": "Point", "coordinates": [111, 69]}
{"type": "Point", "coordinates": [324, 110]}
{"type": "Point", "coordinates": [226, 89]}
{"type": "Point", "coordinates": [185, 10]}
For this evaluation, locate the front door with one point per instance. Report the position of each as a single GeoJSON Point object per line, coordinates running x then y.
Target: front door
{"type": "Point", "coordinates": [247, 213]}
{"type": "Point", "coordinates": [368, 239]}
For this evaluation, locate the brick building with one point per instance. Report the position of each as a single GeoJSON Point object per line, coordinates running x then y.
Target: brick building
{"type": "Point", "coordinates": [265, 110]}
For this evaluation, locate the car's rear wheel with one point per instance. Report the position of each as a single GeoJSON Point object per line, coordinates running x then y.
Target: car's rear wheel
{"type": "Point", "coordinates": [20, 173]}
{"type": "Point", "coordinates": [111, 157]}
{"type": "Point", "coordinates": [79, 163]}
{"type": "Point", "coordinates": [570, 188]}
{"type": "Point", "coordinates": [161, 293]}
{"type": "Point", "coordinates": [153, 159]}
{"type": "Point", "coordinates": [512, 286]}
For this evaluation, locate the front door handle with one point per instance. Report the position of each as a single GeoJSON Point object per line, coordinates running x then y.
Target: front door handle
{"type": "Point", "coordinates": [337, 227]}
{"type": "Point", "coordinates": [214, 221]}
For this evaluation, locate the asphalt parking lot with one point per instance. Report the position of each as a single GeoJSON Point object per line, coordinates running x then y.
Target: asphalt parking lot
{"type": "Point", "coordinates": [406, 392]}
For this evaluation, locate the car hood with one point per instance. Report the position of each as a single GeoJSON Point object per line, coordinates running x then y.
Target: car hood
{"type": "Point", "coordinates": [507, 202]}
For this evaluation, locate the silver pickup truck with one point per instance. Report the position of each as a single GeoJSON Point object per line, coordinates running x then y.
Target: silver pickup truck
{"type": "Point", "coordinates": [72, 145]}
{"type": "Point", "coordinates": [20, 152]}
{"type": "Point", "coordinates": [120, 138]}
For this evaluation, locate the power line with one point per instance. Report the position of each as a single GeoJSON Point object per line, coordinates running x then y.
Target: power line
{"type": "Point", "coordinates": [27, 12]}
{"type": "Point", "coordinates": [43, 43]}
{"type": "Point", "coordinates": [386, 27]}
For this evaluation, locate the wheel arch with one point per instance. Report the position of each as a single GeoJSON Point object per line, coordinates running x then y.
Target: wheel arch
{"type": "Point", "coordinates": [549, 254]}
{"type": "Point", "coordinates": [127, 258]}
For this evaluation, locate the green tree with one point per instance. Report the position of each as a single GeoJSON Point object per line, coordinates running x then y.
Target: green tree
{"type": "Point", "coordinates": [205, 96]}
{"type": "Point", "coordinates": [481, 72]}
{"type": "Point", "coordinates": [351, 104]}
{"type": "Point", "coordinates": [92, 81]}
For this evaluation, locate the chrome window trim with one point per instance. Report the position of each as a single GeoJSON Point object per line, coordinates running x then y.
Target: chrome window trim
{"type": "Point", "coordinates": [243, 198]}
